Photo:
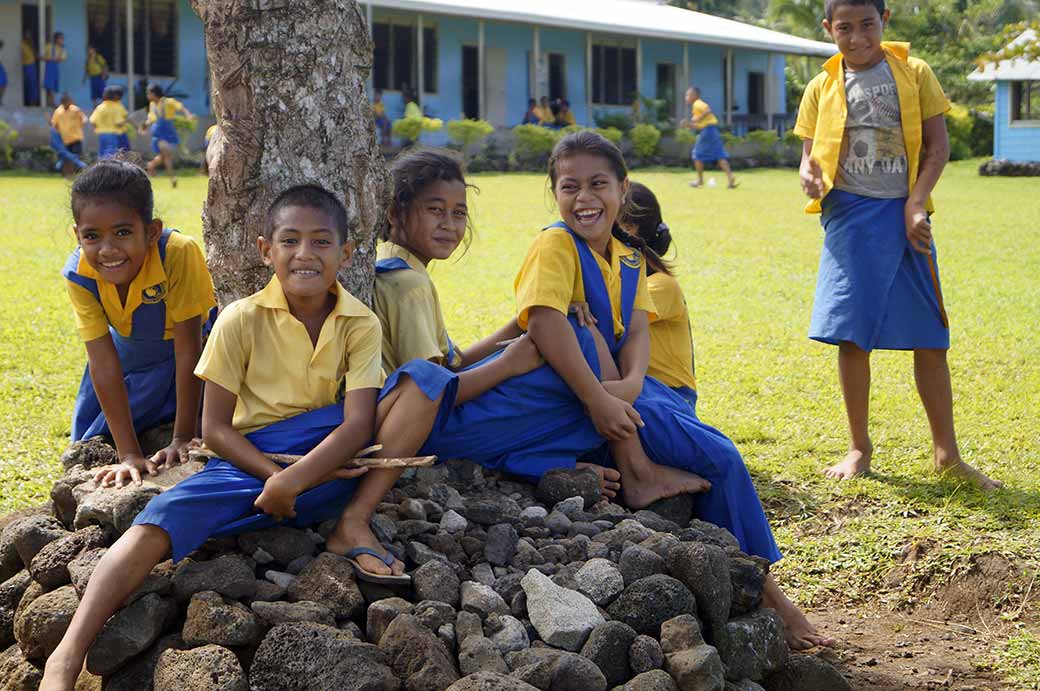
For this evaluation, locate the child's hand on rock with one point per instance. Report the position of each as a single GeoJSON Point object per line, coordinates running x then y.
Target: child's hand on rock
{"type": "Point", "coordinates": [126, 472]}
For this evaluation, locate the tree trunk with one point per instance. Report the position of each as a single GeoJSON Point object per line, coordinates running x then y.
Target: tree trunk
{"type": "Point", "coordinates": [289, 92]}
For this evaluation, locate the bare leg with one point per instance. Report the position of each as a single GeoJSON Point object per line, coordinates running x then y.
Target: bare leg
{"type": "Point", "coordinates": [932, 375]}
{"type": "Point", "coordinates": [403, 421]}
{"type": "Point", "coordinates": [166, 151]}
{"type": "Point", "coordinates": [123, 568]}
{"type": "Point", "coordinates": [154, 164]}
{"type": "Point", "coordinates": [801, 634]}
{"type": "Point", "coordinates": [644, 481]}
{"type": "Point", "coordinates": [854, 372]}
{"type": "Point", "coordinates": [724, 166]}
{"type": "Point", "coordinates": [699, 165]}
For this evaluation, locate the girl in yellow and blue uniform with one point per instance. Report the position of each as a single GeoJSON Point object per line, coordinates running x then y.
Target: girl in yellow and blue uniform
{"type": "Point", "coordinates": [141, 294]}
{"type": "Point", "coordinates": [161, 111]}
{"type": "Point", "coordinates": [109, 121]}
{"type": "Point", "coordinates": [96, 70]}
{"type": "Point", "coordinates": [53, 55]}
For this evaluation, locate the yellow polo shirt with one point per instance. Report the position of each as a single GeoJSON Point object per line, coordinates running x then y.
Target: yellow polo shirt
{"type": "Point", "coordinates": [69, 123]}
{"type": "Point", "coordinates": [698, 109]}
{"type": "Point", "coordinates": [170, 107]}
{"type": "Point", "coordinates": [671, 341]}
{"type": "Point", "coordinates": [28, 54]}
{"type": "Point", "coordinates": [182, 280]}
{"type": "Point", "coordinates": [261, 353]}
{"type": "Point", "coordinates": [54, 53]}
{"type": "Point", "coordinates": [96, 65]}
{"type": "Point", "coordinates": [551, 277]}
{"type": "Point", "coordinates": [109, 117]}
{"type": "Point", "coordinates": [409, 311]}
{"type": "Point", "coordinates": [821, 116]}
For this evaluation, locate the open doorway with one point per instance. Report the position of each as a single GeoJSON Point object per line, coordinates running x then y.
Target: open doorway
{"type": "Point", "coordinates": [470, 82]}
{"type": "Point", "coordinates": [31, 24]}
{"type": "Point", "coordinates": [557, 77]}
{"type": "Point", "coordinates": [665, 89]}
{"type": "Point", "coordinates": [756, 93]}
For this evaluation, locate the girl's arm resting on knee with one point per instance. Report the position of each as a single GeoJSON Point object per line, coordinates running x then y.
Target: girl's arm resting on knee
{"type": "Point", "coordinates": [490, 344]}
{"type": "Point", "coordinates": [218, 410]}
{"type": "Point", "coordinates": [634, 359]}
{"type": "Point", "coordinates": [187, 347]}
{"type": "Point", "coordinates": [325, 461]}
{"type": "Point", "coordinates": [552, 333]}
{"type": "Point", "coordinates": [106, 373]}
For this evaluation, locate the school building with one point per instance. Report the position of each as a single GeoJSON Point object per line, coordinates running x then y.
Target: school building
{"type": "Point", "coordinates": [1016, 116]}
{"type": "Point", "coordinates": [466, 58]}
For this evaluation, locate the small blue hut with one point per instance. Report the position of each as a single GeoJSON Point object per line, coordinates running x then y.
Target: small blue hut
{"type": "Point", "coordinates": [1016, 123]}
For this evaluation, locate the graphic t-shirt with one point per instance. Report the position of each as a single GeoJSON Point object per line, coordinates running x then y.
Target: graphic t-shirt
{"type": "Point", "coordinates": [873, 159]}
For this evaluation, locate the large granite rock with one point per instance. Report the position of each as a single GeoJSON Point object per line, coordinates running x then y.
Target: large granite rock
{"type": "Point", "coordinates": [563, 618]}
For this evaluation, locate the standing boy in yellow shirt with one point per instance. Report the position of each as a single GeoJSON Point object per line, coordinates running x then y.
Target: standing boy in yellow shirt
{"type": "Point", "coordinates": [874, 147]}
{"type": "Point", "coordinates": [709, 147]}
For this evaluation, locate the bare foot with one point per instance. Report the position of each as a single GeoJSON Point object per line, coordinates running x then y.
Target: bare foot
{"type": "Point", "coordinates": [350, 534]}
{"type": "Point", "coordinates": [659, 482]}
{"type": "Point", "coordinates": [961, 470]}
{"type": "Point", "coordinates": [799, 631]}
{"type": "Point", "coordinates": [61, 673]}
{"type": "Point", "coordinates": [855, 463]}
{"type": "Point", "coordinates": [609, 479]}
{"type": "Point", "coordinates": [694, 183]}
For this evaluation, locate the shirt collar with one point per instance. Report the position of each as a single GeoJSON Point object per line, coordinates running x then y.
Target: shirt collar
{"type": "Point", "coordinates": [892, 49]}
{"type": "Point", "coordinates": [389, 250]}
{"type": "Point", "coordinates": [273, 297]}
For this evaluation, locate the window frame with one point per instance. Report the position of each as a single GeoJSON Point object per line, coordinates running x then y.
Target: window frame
{"type": "Point", "coordinates": [119, 16]}
{"type": "Point", "coordinates": [1015, 99]}
{"type": "Point", "coordinates": [412, 24]}
{"type": "Point", "coordinates": [621, 45]}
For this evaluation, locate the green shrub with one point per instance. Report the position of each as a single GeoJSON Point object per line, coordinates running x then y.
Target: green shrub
{"type": "Point", "coordinates": [611, 133]}
{"type": "Point", "coordinates": [7, 137]}
{"type": "Point", "coordinates": [469, 132]}
{"type": "Point", "coordinates": [686, 137]}
{"type": "Point", "coordinates": [409, 129]}
{"type": "Point", "coordinates": [959, 126]}
{"type": "Point", "coordinates": [617, 119]}
{"type": "Point", "coordinates": [765, 140]}
{"type": "Point", "coordinates": [792, 139]}
{"type": "Point", "coordinates": [644, 139]}
{"type": "Point", "coordinates": [571, 129]}
{"type": "Point", "coordinates": [730, 139]}
{"type": "Point", "coordinates": [531, 143]}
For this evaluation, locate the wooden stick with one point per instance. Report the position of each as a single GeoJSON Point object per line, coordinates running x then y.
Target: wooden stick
{"type": "Point", "coordinates": [203, 454]}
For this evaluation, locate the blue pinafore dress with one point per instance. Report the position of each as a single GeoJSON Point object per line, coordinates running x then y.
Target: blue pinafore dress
{"type": "Point", "coordinates": [526, 426]}
{"type": "Point", "coordinates": [673, 435]}
{"type": "Point", "coordinates": [147, 359]}
{"type": "Point", "coordinates": [163, 129]}
{"type": "Point", "coordinates": [218, 501]}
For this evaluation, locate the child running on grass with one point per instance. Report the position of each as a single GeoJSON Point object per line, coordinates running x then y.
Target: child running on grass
{"type": "Point", "coordinates": [109, 121]}
{"type": "Point", "coordinates": [875, 145]}
{"type": "Point", "coordinates": [161, 111]}
{"type": "Point", "coordinates": [322, 343]}
{"type": "Point", "coordinates": [140, 294]}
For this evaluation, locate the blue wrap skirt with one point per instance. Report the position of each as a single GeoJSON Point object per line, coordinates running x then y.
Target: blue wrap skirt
{"type": "Point", "coordinates": [873, 288]}
{"type": "Point", "coordinates": [164, 131]}
{"type": "Point", "coordinates": [709, 146]}
{"type": "Point", "coordinates": [109, 144]}
{"type": "Point", "coordinates": [51, 75]}
{"type": "Point", "coordinates": [218, 501]}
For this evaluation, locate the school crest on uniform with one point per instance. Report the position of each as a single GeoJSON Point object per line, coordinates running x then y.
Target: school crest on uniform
{"type": "Point", "coordinates": [633, 260]}
{"type": "Point", "coordinates": [154, 294]}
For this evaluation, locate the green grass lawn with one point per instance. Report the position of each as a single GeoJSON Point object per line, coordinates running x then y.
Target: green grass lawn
{"type": "Point", "coordinates": [747, 261]}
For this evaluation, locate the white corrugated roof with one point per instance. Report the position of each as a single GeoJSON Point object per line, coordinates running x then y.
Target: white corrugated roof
{"type": "Point", "coordinates": [1018, 69]}
{"type": "Point", "coordinates": [621, 17]}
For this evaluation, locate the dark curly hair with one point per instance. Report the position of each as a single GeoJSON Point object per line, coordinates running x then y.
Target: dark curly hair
{"type": "Point", "coordinates": [119, 180]}
{"type": "Point", "coordinates": [413, 171]}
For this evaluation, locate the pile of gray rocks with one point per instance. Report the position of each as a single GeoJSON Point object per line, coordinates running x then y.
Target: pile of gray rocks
{"type": "Point", "coordinates": [515, 587]}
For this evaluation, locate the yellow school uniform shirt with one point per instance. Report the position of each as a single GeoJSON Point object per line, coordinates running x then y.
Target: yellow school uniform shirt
{"type": "Point", "coordinates": [170, 107]}
{"type": "Point", "coordinates": [698, 109]}
{"type": "Point", "coordinates": [182, 282]}
{"type": "Point", "coordinates": [109, 117]}
{"type": "Point", "coordinates": [96, 65]}
{"type": "Point", "coordinates": [671, 342]}
{"type": "Point", "coordinates": [551, 277]}
{"type": "Point", "coordinates": [409, 311]}
{"type": "Point", "coordinates": [567, 119]}
{"type": "Point", "coordinates": [821, 116]}
{"type": "Point", "coordinates": [261, 353]}
{"type": "Point", "coordinates": [378, 109]}
{"type": "Point", "coordinates": [69, 123]}
{"type": "Point", "coordinates": [54, 53]}
{"type": "Point", "coordinates": [28, 54]}
{"type": "Point", "coordinates": [210, 131]}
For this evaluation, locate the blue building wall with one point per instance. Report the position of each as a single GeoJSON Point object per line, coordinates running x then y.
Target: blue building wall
{"type": "Point", "coordinates": [1013, 142]}
{"type": "Point", "coordinates": [70, 17]}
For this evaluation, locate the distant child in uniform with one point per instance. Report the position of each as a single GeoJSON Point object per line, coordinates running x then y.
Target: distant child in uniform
{"type": "Point", "coordinates": [531, 116]}
{"type": "Point", "coordinates": [875, 145]}
{"type": "Point", "coordinates": [379, 113]}
{"type": "Point", "coordinates": [68, 120]}
{"type": "Point", "coordinates": [30, 71]}
{"type": "Point", "coordinates": [564, 117]}
{"type": "Point", "coordinates": [161, 111]}
{"type": "Point", "coordinates": [53, 55]}
{"type": "Point", "coordinates": [96, 70]}
{"type": "Point", "coordinates": [323, 347]}
{"type": "Point", "coordinates": [140, 294]}
{"type": "Point", "coordinates": [709, 147]}
{"type": "Point", "coordinates": [3, 77]}
{"type": "Point", "coordinates": [109, 121]}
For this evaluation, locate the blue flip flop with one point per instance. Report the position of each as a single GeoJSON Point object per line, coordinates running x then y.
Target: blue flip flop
{"type": "Point", "coordinates": [365, 575]}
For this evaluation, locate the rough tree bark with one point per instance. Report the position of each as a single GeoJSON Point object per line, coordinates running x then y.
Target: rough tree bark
{"type": "Point", "coordinates": [289, 93]}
